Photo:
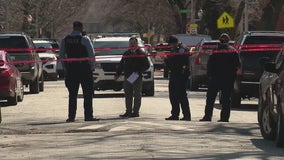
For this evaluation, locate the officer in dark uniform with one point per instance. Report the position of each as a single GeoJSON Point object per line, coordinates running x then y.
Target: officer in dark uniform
{"type": "Point", "coordinates": [222, 68]}
{"type": "Point", "coordinates": [75, 47]}
{"type": "Point", "coordinates": [178, 65]}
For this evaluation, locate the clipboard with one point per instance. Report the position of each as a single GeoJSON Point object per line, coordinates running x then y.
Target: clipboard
{"type": "Point", "coordinates": [133, 77]}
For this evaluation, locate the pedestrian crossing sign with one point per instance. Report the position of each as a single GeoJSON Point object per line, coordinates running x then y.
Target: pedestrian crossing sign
{"type": "Point", "coordinates": [225, 21]}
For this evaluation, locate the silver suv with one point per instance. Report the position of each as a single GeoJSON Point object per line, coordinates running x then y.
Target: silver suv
{"type": "Point", "coordinates": [21, 49]}
{"type": "Point", "coordinates": [109, 50]}
{"type": "Point", "coordinates": [198, 62]}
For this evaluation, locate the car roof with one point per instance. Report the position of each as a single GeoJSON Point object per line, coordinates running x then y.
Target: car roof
{"type": "Point", "coordinates": [116, 34]}
{"type": "Point", "coordinates": [264, 33]}
{"type": "Point", "coordinates": [41, 41]}
{"type": "Point", "coordinates": [44, 54]}
{"type": "Point", "coordinates": [114, 39]}
{"type": "Point", "coordinates": [191, 40]}
{"type": "Point", "coordinates": [215, 41]}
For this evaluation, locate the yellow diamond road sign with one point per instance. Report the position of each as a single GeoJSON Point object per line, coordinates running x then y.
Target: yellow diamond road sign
{"type": "Point", "coordinates": [225, 21]}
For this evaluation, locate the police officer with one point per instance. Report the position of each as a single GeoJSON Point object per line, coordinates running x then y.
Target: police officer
{"type": "Point", "coordinates": [76, 46]}
{"type": "Point", "coordinates": [222, 68]}
{"type": "Point", "coordinates": [178, 65]}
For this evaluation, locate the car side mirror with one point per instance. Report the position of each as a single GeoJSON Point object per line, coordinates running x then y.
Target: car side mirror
{"type": "Point", "coordinates": [270, 67]}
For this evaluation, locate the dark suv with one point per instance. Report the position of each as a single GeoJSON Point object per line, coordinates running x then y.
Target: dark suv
{"type": "Point", "coordinates": [22, 51]}
{"type": "Point", "coordinates": [255, 48]}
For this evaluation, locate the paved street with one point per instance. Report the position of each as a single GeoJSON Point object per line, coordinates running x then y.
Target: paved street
{"type": "Point", "coordinates": [36, 129]}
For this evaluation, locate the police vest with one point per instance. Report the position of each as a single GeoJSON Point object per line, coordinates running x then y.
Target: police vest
{"type": "Point", "coordinates": [74, 47]}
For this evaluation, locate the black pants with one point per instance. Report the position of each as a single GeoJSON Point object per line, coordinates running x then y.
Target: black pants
{"type": "Point", "coordinates": [214, 86]}
{"type": "Point", "coordinates": [76, 75]}
{"type": "Point", "coordinates": [178, 95]}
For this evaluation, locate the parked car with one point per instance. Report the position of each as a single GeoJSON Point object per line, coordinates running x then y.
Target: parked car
{"type": "Point", "coordinates": [11, 86]}
{"type": "Point", "coordinates": [192, 40]}
{"type": "Point", "coordinates": [48, 57]}
{"type": "Point", "coordinates": [49, 64]}
{"type": "Point", "coordinates": [271, 100]}
{"type": "Point", "coordinates": [255, 47]}
{"type": "Point", "coordinates": [22, 50]}
{"type": "Point", "coordinates": [109, 50]}
{"type": "Point", "coordinates": [158, 58]}
{"type": "Point", "coordinates": [198, 62]}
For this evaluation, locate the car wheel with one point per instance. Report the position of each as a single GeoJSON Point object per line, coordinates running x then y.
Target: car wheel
{"type": "Point", "coordinates": [266, 124]}
{"type": "Point", "coordinates": [150, 91]}
{"type": "Point", "coordinates": [236, 95]}
{"type": "Point", "coordinates": [54, 77]}
{"type": "Point", "coordinates": [41, 84]}
{"type": "Point", "coordinates": [13, 100]}
{"type": "Point", "coordinates": [21, 93]}
{"type": "Point", "coordinates": [236, 100]}
{"type": "Point", "coordinates": [34, 86]}
{"type": "Point", "coordinates": [280, 128]}
{"type": "Point", "coordinates": [193, 84]}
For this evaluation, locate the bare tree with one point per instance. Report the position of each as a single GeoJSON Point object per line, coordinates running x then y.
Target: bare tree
{"type": "Point", "coordinates": [43, 17]}
{"type": "Point", "coordinates": [140, 16]}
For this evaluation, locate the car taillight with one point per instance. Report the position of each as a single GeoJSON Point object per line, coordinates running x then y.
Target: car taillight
{"type": "Point", "coordinates": [197, 60]}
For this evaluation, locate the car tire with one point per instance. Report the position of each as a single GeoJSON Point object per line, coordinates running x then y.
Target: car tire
{"type": "Point", "coordinates": [236, 100]}
{"type": "Point", "coordinates": [34, 86]}
{"type": "Point", "coordinates": [279, 140]}
{"type": "Point", "coordinates": [13, 100]}
{"type": "Point", "coordinates": [150, 89]}
{"type": "Point", "coordinates": [193, 84]}
{"type": "Point", "coordinates": [54, 77]}
{"type": "Point", "coordinates": [41, 83]}
{"type": "Point", "coordinates": [267, 125]}
{"type": "Point", "coordinates": [236, 95]}
{"type": "Point", "coordinates": [21, 94]}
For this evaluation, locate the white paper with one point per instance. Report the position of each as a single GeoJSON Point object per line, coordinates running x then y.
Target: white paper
{"type": "Point", "coordinates": [133, 77]}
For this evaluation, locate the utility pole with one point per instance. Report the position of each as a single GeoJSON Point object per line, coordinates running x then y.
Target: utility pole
{"type": "Point", "coordinates": [246, 20]}
{"type": "Point", "coordinates": [246, 16]}
{"type": "Point", "coordinates": [192, 11]}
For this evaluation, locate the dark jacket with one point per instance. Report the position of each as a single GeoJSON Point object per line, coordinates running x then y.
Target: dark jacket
{"type": "Point", "coordinates": [133, 61]}
{"type": "Point", "coordinates": [223, 63]}
{"type": "Point", "coordinates": [178, 61]}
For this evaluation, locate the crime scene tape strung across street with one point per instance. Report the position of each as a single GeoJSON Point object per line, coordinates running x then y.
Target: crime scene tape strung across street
{"type": "Point", "coordinates": [244, 48]}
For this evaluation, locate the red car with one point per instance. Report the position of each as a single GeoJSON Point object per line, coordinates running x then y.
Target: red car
{"type": "Point", "coordinates": [11, 86]}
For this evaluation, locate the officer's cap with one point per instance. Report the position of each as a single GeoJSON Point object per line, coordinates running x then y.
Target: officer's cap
{"type": "Point", "coordinates": [224, 35]}
{"type": "Point", "coordinates": [172, 39]}
{"type": "Point", "coordinates": [77, 24]}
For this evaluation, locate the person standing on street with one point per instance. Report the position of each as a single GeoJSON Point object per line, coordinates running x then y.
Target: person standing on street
{"type": "Point", "coordinates": [133, 63]}
{"type": "Point", "coordinates": [178, 65]}
{"type": "Point", "coordinates": [78, 72]}
{"type": "Point", "coordinates": [222, 68]}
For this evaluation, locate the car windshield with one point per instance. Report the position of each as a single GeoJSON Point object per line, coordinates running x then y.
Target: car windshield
{"type": "Point", "coordinates": [192, 40]}
{"type": "Point", "coordinates": [104, 48]}
{"type": "Point", "coordinates": [13, 42]}
{"type": "Point", "coordinates": [42, 45]}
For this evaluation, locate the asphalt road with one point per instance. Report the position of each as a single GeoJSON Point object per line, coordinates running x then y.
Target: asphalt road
{"type": "Point", "coordinates": [36, 129]}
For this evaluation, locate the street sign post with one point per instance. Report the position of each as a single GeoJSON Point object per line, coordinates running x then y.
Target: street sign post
{"type": "Point", "coordinates": [193, 28]}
